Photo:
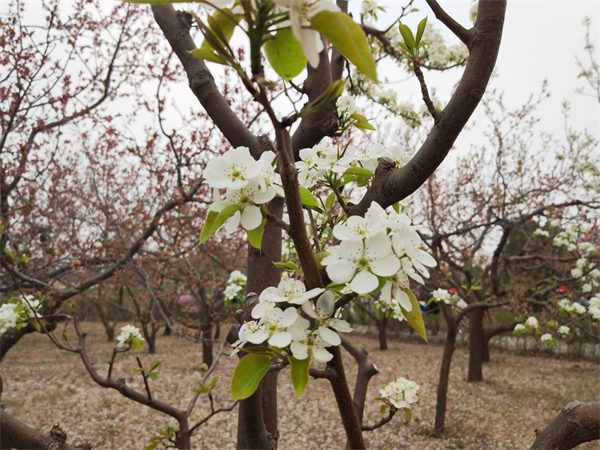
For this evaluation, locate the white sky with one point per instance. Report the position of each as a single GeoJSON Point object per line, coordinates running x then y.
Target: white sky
{"type": "Point", "coordinates": [541, 41]}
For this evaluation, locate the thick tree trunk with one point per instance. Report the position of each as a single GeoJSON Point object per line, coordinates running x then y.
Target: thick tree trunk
{"type": "Point", "coordinates": [575, 424]}
{"type": "Point", "coordinates": [207, 345]}
{"type": "Point", "coordinates": [476, 345]}
{"type": "Point", "coordinates": [257, 415]}
{"type": "Point", "coordinates": [167, 331]}
{"type": "Point", "coordinates": [490, 333]}
{"type": "Point", "coordinates": [382, 325]}
{"type": "Point", "coordinates": [11, 337]}
{"type": "Point", "coordinates": [442, 390]}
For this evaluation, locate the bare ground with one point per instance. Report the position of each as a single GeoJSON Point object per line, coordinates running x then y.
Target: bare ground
{"type": "Point", "coordinates": [44, 385]}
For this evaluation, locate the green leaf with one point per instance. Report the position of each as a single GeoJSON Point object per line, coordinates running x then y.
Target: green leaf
{"type": "Point", "coordinates": [137, 343]}
{"type": "Point", "coordinates": [407, 35]}
{"type": "Point", "coordinates": [255, 236]}
{"type": "Point", "coordinates": [154, 364]}
{"type": "Point", "coordinates": [285, 54]}
{"type": "Point", "coordinates": [153, 376]}
{"type": "Point", "coordinates": [420, 31]}
{"type": "Point", "coordinates": [349, 38]}
{"type": "Point", "coordinates": [214, 222]}
{"type": "Point", "coordinates": [331, 93]}
{"type": "Point", "coordinates": [208, 55]}
{"type": "Point", "coordinates": [413, 317]}
{"type": "Point", "coordinates": [201, 389]}
{"type": "Point", "coordinates": [361, 122]}
{"type": "Point", "coordinates": [223, 24]}
{"type": "Point", "coordinates": [247, 375]}
{"type": "Point", "coordinates": [288, 265]}
{"type": "Point", "coordinates": [307, 198]}
{"type": "Point", "coordinates": [359, 171]}
{"type": "Point", "coordinates": [408, 414]}
{"type": "Point", "coordinates": [299, 373]}
{"type": "Point", "coordinates": [37, 325]}
{"type": "Point", "coordinates": [214, 382]}
{"type": "Point", "coordinates": [383, 408]}
{"type": "Point", "coordinates": [329, 202]}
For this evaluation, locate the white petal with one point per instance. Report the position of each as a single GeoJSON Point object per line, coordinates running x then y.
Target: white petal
{"type": "Point", "coordinates": [364, 282]}
{"type": "Point", "coordinates": [251, 217]}
{"type": "Point", "coordinates": [322, 355]}
{"type": "Point", "coordinates": [340, 325]}
{"type": "Point", "coordinates": [289, 316]}
{"type": "Point", "coordinates": [385, 267]}
{"type": "Point", "coordinates": [386, 291]}
{"type": "Point", "coordinates": [299, 350]}
{"type": "Point", "coordinates": [330, 336]}
{"type": "Point", "coordinates": [426, 259]}
{"type": "Point", "coordinates": [341, 271]}
{"type": "Point", "coordinates": [258, 337]}
{"type": "Point", "coordinates": [280, 339]}
{"type": "Point", "coordinates": [261, 309]}
{"type": "Point", "coordinates": [309, 309]}
{"type": "Point", "coordinates": [233, 222]}
{"type": "Point", "coordinates": [378, 246]}
{"type": "Point", "coordinates": [403, 299]}
{"type": "Point", "coordinates": [325, 305]}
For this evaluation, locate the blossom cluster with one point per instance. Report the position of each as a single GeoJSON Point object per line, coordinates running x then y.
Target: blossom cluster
{"type": "Point", "coordinates": [235, 284]}
{"type": "Point", "coordinates": [400, 394]}
{"type": "Point", "coordinates": [532, 326]}
{"type": "Point", "coordinates": [249, 183]}
{"type": "Point", "coordinates": [287, 329]}
{"type": "Point", "coordinates": [130, 335]}
{"type": "Point", "coordinates": [378, 249]}
{"type": "Point", "coordinates": [17, 311]}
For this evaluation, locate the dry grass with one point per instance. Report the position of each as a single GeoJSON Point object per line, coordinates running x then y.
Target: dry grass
{"type": "Point", "coordinates": [44, 385]}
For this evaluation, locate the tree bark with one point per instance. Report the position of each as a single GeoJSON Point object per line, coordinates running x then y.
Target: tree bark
{"type": "Point", "coordinates": [575, 424]}
{"type": "Point", "coordinates": [490, 333]}
{"type": "Point", "coordinates": [476, 345]}
{"type": "Point", "coordinates": [382, 325]}
{"type": "Point", "coordinates": [442, 390]}
{"type": "Point", "coordinates": [207, 347]}
{"type": "Point", "coordinates": [16, 435]}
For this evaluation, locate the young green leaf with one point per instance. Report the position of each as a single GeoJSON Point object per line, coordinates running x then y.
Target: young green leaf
{"type": "Point", "coordinates": [247, 375]}
{"type": "Point", "coordinates": [215, 221]}
{"type": "Point", "coordinates": [208, 55]}
{"type": "Point", "coordinates": [214, 382]}
{"type": "Point", "coordinates": [349, 38]}
{"type": "Point", "coordinates": [299, 373]}
{"type": "Point", "coordinates": [413, 317]}
{"type": "Point", "coordinates": [255, 236]}
{"type": "Point", "coordinates": [285, 54]}
{"type": "Point", "coordinates": [155, 364]}
{"type": "Point", "coordinates": [201, 389]}
{"type": "Point", "coordinates": [359, 171]}
{"type": "Point", "coordinates": [153, 376]}
{"type": "Point", "coordinates": [222, 23]}
{"type": "Point", "coordinates": [407, 35]}
{"type": "Point", "coordinates": [137, 343]}
{"type": "Point", "coordinates": [420, 31]}
{"type": "Point", "coordinates": [307, 198]}
{"type": "Point", "coordinates": [287, 265]}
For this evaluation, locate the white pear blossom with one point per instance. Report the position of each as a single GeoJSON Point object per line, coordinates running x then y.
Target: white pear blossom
{"type": "Point", "coordinates": [346, 104]}
{"type": "Point", "coordinates": [360, 263]}
{"type": "Point", "coordinates": [394, 290]}
{"type": "Point", "coordinates": [273, 327]}
{"type": "Point", "coordinates": [291, 291]}
{"type": "Point", "coordinates": [306, 341]}
{"type": "Point", "coordinates": [594, 307]}
{"type": "Point", "coordinates": [401, 393]}
{"type": "Point", "coordinates": [233, 170]}
{"type": "Point", "coordinates": [8, 316]}
{"type": "Point", "coordinates": [563, 330]}
{"type": "Point", "coordinates": [128, 334]}
{"type": "Point", "coordinates": [540, 232]}
{"type": "Point", "coordinates": [18, 311]}
{"type": "Point", "coordinates": [357, 228]}
{"type": "Point", "coordinates": [519, 327]}
{"type": "Point", "coordinates": [249, 198]}
{"type": "Point", "coordinates": [546, 338]}
{"type": "Point", "coordinates": [442, 295]}
{"type": "Point", "coordinates": [532, 322]}
{"type": "Point", "coordinates": [268, 179]}
{"type": "Point", "coordinates": [322, 313]}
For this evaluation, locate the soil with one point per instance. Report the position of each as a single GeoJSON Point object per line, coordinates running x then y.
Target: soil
{"type": "Point", "coordinates": [44, 385]}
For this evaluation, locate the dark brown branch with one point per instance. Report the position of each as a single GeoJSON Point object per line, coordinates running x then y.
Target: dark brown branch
{"type": "Point", "coordinates": [175, 25]}
{"type": "Point", "coordinates": [435, 114]}
{"type": "Point", "coordinates": [466, 36]}
{"type": "Point", "coordinates": [15, 434]}
{"type": "Point", "coordinates": [143, 372]}
{"type": "Point", "coordinates": [392, 184]}
{"type": "Point", "coordinates": [381, 422]}
{"type": "Point", "coordinates": [575, 424]}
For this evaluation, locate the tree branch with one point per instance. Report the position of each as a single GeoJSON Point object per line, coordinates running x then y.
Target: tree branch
{"type": "Point", "coordinates": [466, 36]}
